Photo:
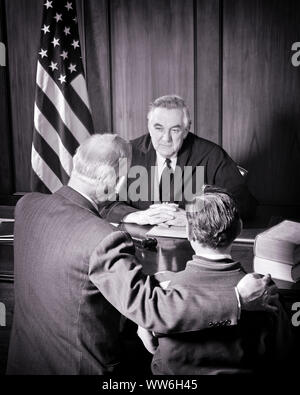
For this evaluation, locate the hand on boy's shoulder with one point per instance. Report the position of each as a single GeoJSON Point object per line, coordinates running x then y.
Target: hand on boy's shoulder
{"type": "Point", "coordinates": [258, 293]}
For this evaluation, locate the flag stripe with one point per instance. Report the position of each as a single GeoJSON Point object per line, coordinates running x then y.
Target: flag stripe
{"type": "Point", "coordinates": [44, 172]}
{"type": "Point", "coordinates": [70, 119]}
{"type": "Point", "coordinates": [49, 134]}
{"type": "Point", "coordinates": [53, 162]}
{"type": "Point", "coordinates": [78, 106]}
{"type": "Point", "coordinates": [76, 96]}
{"type": "Point", "coordinates": [79, 85]}
{"type": "Point", "coordinates": [52, 115]}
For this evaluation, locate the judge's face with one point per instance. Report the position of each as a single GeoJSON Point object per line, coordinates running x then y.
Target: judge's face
{"type": "Point", "coordinates": [167, 131]}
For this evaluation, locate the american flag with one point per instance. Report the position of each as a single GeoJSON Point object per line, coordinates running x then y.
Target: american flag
{"type": "Point", "coordinates": [62, 115]}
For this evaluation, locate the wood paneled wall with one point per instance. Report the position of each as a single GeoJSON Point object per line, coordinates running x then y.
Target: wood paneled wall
{"type": "Point", "coordinates": [152, 55]}
{"type": "Point", "coordinates": [98, 55]}
{"type": "Point", "coordinates": [261, 95]}
{"type": "Point", "coordinates": [208, 62]}
{"type": "Point", "coordinates": [23, 18]}
{"type": "Point", "coordinates": [6, 157]}
{"type": "Point", "coordinates": [230, 60]}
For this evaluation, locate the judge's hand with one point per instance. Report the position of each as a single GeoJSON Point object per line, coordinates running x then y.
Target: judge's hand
{"type": "Point", "coordinates": [179, 215]}
{"type": "Point", "coordinates": [258, 292]}
{"type": "Point", "coordinates": [179, 220]}
{"type": "Point", "coordinates": [156, 214]}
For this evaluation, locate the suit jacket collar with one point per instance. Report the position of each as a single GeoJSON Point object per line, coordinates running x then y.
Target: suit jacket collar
{"type": "Point", "coordinates": [185, 151]}
{"type": "Point", "coordinates": [74, 196]}
{"type": "Point", "coordinates": [211, 265]}
{"type": "Point", "coordinates": [151, 155]}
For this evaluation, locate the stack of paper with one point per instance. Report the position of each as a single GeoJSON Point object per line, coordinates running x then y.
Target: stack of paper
{"type": "Point", "coordinates": [247, 236]}
{"type": "Point", "coordinates": [179, 232]}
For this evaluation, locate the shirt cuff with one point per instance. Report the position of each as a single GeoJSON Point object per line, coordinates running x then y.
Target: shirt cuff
{"type": "Point", "coordinates": [239, 303]}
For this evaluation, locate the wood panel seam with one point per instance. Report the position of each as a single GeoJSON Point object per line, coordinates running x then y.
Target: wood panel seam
{"type": "Point", "coordinates": [110, 63]}
{"type": "Point", "coordinates": [195, 21]}
{"type": "Point", "coordinates": [221, 56]}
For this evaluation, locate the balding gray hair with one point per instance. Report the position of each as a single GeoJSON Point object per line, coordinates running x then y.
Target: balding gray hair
{"type": "Point", "coordinates": [97, 159]}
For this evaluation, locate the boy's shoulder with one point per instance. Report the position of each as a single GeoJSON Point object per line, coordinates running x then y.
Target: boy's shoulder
{"type": "Point", "coordinates": [199, 273]}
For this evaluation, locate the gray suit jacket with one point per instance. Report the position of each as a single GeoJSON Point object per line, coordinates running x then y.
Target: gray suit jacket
{"type": "Point", "coordinates": [74, 275]}
{"type": "Point", "coordinates": [260, 343]}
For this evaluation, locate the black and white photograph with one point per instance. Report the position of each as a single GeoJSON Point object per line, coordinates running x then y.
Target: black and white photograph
{"type": "Point", "coordinates": [149, 191]}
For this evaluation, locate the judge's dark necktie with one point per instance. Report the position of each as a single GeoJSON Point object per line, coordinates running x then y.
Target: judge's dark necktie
{"type": "Point", "coordinates": [166, 184]}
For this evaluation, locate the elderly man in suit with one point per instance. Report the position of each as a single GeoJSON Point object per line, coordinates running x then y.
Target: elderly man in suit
{"type": "Point", "coordinates": [75, 274]}
{"type": "Point", "coordinates": [170, 148]}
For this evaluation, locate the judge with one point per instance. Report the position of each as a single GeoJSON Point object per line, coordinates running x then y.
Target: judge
{"type": "Point", "coordinates": [170, 147]}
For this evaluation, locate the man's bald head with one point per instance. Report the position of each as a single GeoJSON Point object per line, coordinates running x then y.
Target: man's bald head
{"type": "Point", "coordinates": [97, 151]}
{"type": "Point", "coordinates": [96, 163]}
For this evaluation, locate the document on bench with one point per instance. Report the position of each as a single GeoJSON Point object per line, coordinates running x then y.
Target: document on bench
{"type": "Point", "coordinates": [247, 236]}
{"type": "Point", "coordinates": [179, 232]}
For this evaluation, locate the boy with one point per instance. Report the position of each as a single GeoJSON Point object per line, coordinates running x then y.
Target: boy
{"type": "Point", "coordinates": [259, 342]}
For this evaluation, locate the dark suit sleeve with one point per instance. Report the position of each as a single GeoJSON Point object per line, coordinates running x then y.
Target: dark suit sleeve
{"type": "Point", "coordinates": [114, 270]}
{"type": "Point", "coordinates": [115, 211]}
{"type": "Point", "coordinates": [223, 172]}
